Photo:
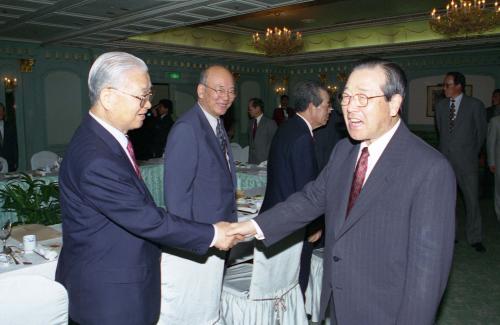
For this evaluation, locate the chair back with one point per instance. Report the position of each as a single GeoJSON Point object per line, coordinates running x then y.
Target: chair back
{"type": "Point", "coordinates": [237, 152]}
{"type": "Point", "coordinates": [32, 299]}
{"type": "Point", "coordinates": [43, 159]}
{"type": "Point", "coordinates": [4, 165]}
{"type": "Point", "coordinates": [276, 268]}
{"type": "Point", "coordinates": [244, 154]}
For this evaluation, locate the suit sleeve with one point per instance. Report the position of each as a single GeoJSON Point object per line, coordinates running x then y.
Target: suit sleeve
{"type": "Point", "coordinates": [181, 160]}
{"type": "Point", "coordinates": [431, 243]}
{"type": "Point", "coordinates": [296, 212]}
{"type": "Point", "coordinates": [437, 114]}
{"type": "Point", "coordinates": [271, 130]}
{"type": "Point", "coordinates": [491, 142]}
{"type": "Point", "coordinates": [113, 192]}
{"type": "Point", "coordinates": [481, 124]}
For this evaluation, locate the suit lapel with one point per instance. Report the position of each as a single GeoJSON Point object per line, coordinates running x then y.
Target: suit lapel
{"type": "Point", "coordinates": [213, 142]}
{"type": "Point", "coordinates": [379, 180]}
{"type": "Point", "coordinates": [348, 165]}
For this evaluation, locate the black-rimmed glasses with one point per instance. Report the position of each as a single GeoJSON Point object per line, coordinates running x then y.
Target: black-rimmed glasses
{"type": "Point", "coordinates": [361, 100]}
{"type": "Point", "coordinates": [231, 93]}
{"type": "Point", "coordinates": [143, 99]}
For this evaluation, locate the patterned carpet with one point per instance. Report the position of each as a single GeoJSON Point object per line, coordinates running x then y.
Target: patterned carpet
{"type": "Point", "coordinates": [473, 293]}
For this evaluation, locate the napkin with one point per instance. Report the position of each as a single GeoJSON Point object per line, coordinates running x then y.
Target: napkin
{"type": "Point", "coordinates": [46, 253]}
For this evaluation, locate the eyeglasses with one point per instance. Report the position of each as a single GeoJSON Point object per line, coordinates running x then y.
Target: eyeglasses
{"type": "Point", "coordinates": [360, 99]}
{"type": "Point", "coordinates": [143, 99]}
{"type": "Point", "coordinates": [231, 93]}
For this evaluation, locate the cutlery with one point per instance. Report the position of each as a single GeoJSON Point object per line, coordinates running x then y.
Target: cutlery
{"type": "Point", "coordinates": [41, 255]}
{"type": "Point", "coordinates": [12, 255]}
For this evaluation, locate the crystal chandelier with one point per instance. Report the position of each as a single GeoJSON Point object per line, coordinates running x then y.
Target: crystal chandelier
{"type": "Point", "coordinates": [465, 17]}
{"type": "Point", "coordinates": [278, 42]}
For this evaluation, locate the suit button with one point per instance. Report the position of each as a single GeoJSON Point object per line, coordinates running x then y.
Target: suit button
{"type": "Point", "coordinates": [336, 258]}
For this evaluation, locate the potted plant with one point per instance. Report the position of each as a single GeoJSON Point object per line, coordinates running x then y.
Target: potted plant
{"type": "Point", "coordinates": [33, 200]}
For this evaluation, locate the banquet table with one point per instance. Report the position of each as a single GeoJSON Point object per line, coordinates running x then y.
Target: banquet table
{"type": "Point", "coordinates": [248, 177]}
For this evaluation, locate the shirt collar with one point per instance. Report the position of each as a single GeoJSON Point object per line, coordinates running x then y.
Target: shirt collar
{"type": "Point", "coordinates": [117, 134]}
{"type": "Point", "coordinates": [211, 119]}
{"type": "Point", "coordinates": [308, 124]}
{"type": "Point", "coordinates": [258, 118]}
{"type": "Point", "coordinates": [377, 147]}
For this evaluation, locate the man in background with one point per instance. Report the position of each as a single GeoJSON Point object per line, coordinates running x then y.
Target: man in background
{"type": "Point", "coordinates": [162, 125]}
{"type": "Point", "coordinates": [493, 154]}
{"type": "Point", "coordinates": [283, 112]}
{"type": "Point", "coordinates": [200, 185]}
{"type": "Point", "coordinates": [461, 123]}
{"type": "Point", "coordinates": [112, 229]}
{"type": "Point", "coordinates": [494, 109]}
{"type": "Point", "coordinates": [8, 139]}
{"type": "Point", "coordinates": [389, 205]}
{"type": "Point", "coordinates": [292, 160]}
{"type": "Point", "coordinates": [260, 132]}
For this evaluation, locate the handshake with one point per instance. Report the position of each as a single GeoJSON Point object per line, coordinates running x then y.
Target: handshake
{"type": "Point", "coordinates": [230, 234]}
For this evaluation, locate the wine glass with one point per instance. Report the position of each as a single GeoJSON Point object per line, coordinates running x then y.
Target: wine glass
{"type": "Point", "coordinates": [4, 234]}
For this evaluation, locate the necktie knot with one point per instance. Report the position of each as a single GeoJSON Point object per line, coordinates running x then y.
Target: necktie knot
{"type": "Point", "coordinates": [358, 179]}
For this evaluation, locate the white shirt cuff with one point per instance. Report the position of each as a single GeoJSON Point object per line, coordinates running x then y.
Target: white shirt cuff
{"type": "Point", "coordinates": [212, 244]}
{"type": "Point", "coordinates": [260, 234]}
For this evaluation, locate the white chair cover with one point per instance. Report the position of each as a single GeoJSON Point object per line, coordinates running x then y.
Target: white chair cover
{"type": "Point", "coordinates": [266, 292]}
{"type": "Point", "coordinates": [244, 154]}
{"type": "Point", "coordinates": [34, 300]}
{"type": "Point", "coordinates": [4, 165]}
{"type": "Point", "coordinates": [237, 152]}
{"type": "Point", "coordinates": [313, 291]}
{"type": "Point", "coordinates": [43, 159]}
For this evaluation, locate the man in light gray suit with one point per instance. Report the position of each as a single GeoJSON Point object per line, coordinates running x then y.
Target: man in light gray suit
{"type": "Point", "coordinates": [389, 206]}
{"type": "Point", "coordinates": [260, 132]}
{"type": "Point", "coordinates": [461, 123]}
{"type": "Point", "coordinates": [493, 154]}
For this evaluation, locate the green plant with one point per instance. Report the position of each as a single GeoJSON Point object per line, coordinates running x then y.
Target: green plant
{"type": "Point", "coordinates": [33, 200]}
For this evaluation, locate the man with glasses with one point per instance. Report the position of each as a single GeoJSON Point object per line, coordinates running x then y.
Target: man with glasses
{"type": "Point", "coordinates": [112, 229]}
{"type": "Point", "coordinates": [389, 205]}
{"type": "Point", "coordinates": [461, 123]}
{"type": "Point", "coordinates": [200, 185]}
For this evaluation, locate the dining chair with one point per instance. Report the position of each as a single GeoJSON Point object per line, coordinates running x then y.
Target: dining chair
{"type": "Point", "coordinates": [43, 159]}
{"type": "Point", "coordinates": [4, 165]}
{"type": "Point", "coordinates": [267, 291]}
{"type": "Point", "coordinates": [32, 299]}
{"type": "Point", "coordinates": [313, 291]}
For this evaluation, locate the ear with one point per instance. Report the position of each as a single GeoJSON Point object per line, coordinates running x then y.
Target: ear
{"type": "Point", "coordinates": [200, 90]}
{"type": "Point", "coordinates": [107, 98]}
{"type": "Point", "coordinates": [395, 104]}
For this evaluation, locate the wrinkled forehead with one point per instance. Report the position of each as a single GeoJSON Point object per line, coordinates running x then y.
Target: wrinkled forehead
{"type": "Point", "coordinates": [220, 77]}
{"type": "Point", "coordinates": [366, 79]}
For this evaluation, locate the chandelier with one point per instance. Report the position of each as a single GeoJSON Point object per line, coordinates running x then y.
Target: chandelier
{"type": "Point", "coordinates": [465, 17]}
{"type": "Point", "coordinates": [278, 42]}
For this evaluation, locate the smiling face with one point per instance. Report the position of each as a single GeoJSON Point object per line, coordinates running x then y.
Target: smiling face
{"type": "Point", "coordinates": [123, 109]}
{"type": "Point", "coordinates": [218, 92]}
{"type": "Point", "coordinates": [379, 115]}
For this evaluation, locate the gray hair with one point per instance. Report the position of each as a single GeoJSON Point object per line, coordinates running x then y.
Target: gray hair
{"type": "Point", "coordinates": [108, 69]}
{"type": "Point", "coordinates": [306, 92]}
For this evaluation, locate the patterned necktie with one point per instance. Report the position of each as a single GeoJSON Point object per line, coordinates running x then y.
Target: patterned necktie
{"type": "Point", "coordinates": [452, 114]}
{"type": "Point", "coordinates": [254, 128]}
{"type": "Point", "coordinates": [359, 179]}
{"type": "Point", "coordinates": [220, 137]}
{"type": "Point", "coordinates": [130, 150]}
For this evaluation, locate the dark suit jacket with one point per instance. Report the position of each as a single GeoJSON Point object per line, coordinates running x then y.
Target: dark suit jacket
{"type": "Point", "coordinates": [110, 262]}
{"type": "Point", "coordinates": [260, 145]}
{"type": "Point", "coordinates": [463, 144]}
{"type": "Point", "coordinates": [198, 182]}
{"type": "Point", "coordinates": [9, 149]}
{"type": "Point", "coordinates": [292, 162]}
{"type": "Point", "coordinates": [161, 129]}
{"type": "Point", "coordinates": [388, 263]}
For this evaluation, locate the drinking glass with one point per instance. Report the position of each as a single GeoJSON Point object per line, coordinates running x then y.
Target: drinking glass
{"type": "Point", "coordinates": [4, 234]}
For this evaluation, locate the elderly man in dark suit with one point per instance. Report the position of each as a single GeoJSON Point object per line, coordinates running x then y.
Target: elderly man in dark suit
{"type": "Point", "coordinates": [8, 139]}
{"type": "Point", "coordinates": [389, 205]}
{"type": "Point", "coordinates": [112, 229]}
{"type": "Point", "coordinates": [462, 126]}
{"type": "Point", "coordinates": [200, 185]}
{"type": "Point", "coordinates": [261, 130]}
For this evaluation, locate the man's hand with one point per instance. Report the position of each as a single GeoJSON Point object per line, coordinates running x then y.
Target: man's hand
{"type": "Point", "coordinates": [243, 229]}
{"type": "Point", "coordinates": [224, 240]}
{"type": "Point", "coordinates": [314, 237]}
{"type": "Point", "coordinates": [493, 168]}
